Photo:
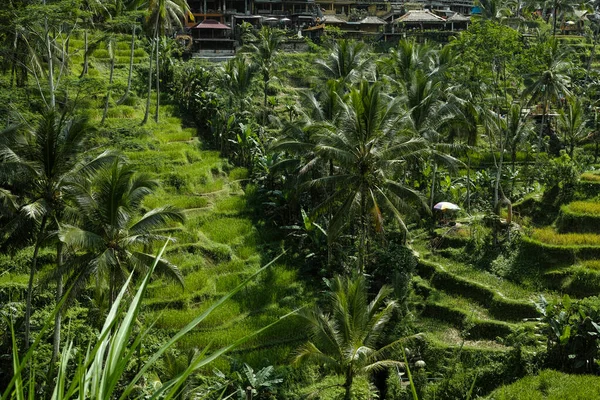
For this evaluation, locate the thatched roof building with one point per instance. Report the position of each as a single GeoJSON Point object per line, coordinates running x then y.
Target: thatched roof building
{"type": "Point", "coordinates": [419, 18]}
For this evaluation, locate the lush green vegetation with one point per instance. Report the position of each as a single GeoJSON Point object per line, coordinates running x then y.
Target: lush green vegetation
{"type": "Point", "coordinates": [329, 162]}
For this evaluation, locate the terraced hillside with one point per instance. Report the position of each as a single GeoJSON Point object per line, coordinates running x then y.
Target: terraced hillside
{"type": "Point", "coordinates": [568, 252]}
{"type": "Point", "coordinates": [216, 248]}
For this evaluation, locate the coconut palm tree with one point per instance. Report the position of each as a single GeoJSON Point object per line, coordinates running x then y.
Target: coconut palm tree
{"type": "Point", "coordinates": [108, 239]}
{"type": "Point", "coordinates": [430, 113]}
{"type": "Point", "coordinates": [348, 61]}
{"type": "Point", "coordinates": [237, 75]}
{"type": "Point", "coordinates": [407, 58]}
{"type": "Point", "coordinates": [368, 151]}
{"type": "Point", "coordinates": [163, 17]}
{"type": "Point", "coordinates": [572, 124]}
{"type": "Point", "coordinates": [36, 165]}
{"type": "Point", "coordinates": [346, 337]}
{"type": "Point", "coordinates": [493, 9]}
{"type": "Point", "coordinates": [550, 84]}
{"type": "Point", "coordinates": [264, 47]}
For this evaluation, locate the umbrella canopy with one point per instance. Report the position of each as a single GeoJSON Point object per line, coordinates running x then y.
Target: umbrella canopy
{"type": "Point", "coordinates": [445, 206]}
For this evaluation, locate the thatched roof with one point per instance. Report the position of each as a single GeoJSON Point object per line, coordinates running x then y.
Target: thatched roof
{"type": "Point", "coordinates": [373, 21]}
{"type": "Point", "coordinates": [419, 17]}
{"type": "Point", "coordinates": [456, 17]}
{"type": "Point", "coordinates": [332, 19]}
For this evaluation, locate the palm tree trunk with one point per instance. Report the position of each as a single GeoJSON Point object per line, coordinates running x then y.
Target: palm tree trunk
{"type": "Point", "coordinates": [266, 88]}
{"type": "Point", "coordinates": [468, 183]}
{"type": "Point", "coordinates": [497, 184]}
{"type": "Point", "coordinates": [84, 71]}
{"type": "Point", "coordinates": [51, 87]}
{"type": "Point", "coordinates": [147, 113]}
{"type": "Point", "coordinates": [157, 80]}
{"type": "Point", "coordinates": [363, 233]}
{"type": "Point", "coordinates": [59, 294]}
{"type": "Point", "coordinates": [129, 77]}
{"type": "Point", "coordinates": [348, 383]}
{"type": "Point", "coordinates": [432, 194]}
{"type": "Point", "coordinates": [554, 20]}
{"type": "Point", "coordinates": [32, 270]}
{"type": "Point", "coordinates": [541, 137]}
{"type": "Point", "coordinates": [110, 82]}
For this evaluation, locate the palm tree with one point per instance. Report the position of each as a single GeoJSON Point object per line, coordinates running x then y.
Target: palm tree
{"type": "Point", "coordinates": [346, 337]}
{"type": "Point", "coordinates": [572, 123]}
{"type": "Point", "coordinates": [369, 153]}
{"type": "Point", "coordinates": [493, 9]}
{"type": "Point", "coordinates": [550, 84]}
{"type": "Point", "coordinates": [108, 238]}
{"type": "Point", "coordinates": [237, 76]}
{"type": "Point", "coordinates": [163, 17]}
{"type": "Point", "coordinates": [264, 48]}
{"type": "Point", "coordinates": [36, 166]}
{"type": "Point", "coordinates": [407, 58]}
{"type": "Point", "coordinates": [348, 61]}
{"type": "Point", "coordinates": [429, 114]}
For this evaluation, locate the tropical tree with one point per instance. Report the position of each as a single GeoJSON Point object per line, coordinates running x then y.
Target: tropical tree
{"type": "Point", "coordinates": [347, 61]}
{"type": "Point", "coordinates": [108, 240]}
{"type": "Point", "coordinates": [407, 58]}
{"type": "Point", "coordinates": [36, 165]}
{"type": "Point", "coordinates": [264, 47]}
{"type": "Point", "coordinates": [237, 75]}
{"type": "Point", "coordinates": [572, 124]}
{"type": "Point", "coordinates": [493, 9]}
{"type": "Point", "coordinates": [368, 151]}
{"type": "Point", "coordinates": [550, 84]}
{"type": "Point", "coordinates": [111, 44]}
{"type": "Point", "coordinates": [162, 18]}
{"type": "Point", "coordinates": [429, 114]}
{"type": "Point", "coordinates": [346, 336]}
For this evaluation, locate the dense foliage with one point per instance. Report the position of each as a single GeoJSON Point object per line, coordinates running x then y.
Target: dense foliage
{"type": "Point", "coordinates": [342, 156]}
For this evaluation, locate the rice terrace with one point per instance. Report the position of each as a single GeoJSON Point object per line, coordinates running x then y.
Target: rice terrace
{"type": "Point", "coordinates": [294, 199]}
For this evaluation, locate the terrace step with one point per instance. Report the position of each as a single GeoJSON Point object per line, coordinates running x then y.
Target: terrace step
{"type": "Point", "coordinates": [469, 317]}
{"type": "Point", "coordinates": [498, 304]}
{"type": "Point", "coordinates": [580, 280]}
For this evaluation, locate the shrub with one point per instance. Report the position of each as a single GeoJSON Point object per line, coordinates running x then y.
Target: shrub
{"type": "Point", "coordinates": [560, 177]}
{"type": "Point", "coordinates": [238, 173]}
{"type": "Point", "coordinates": [395, 264]}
